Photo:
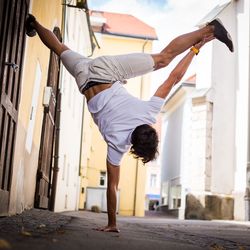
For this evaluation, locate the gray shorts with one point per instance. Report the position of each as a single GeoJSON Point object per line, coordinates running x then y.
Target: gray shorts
{"type": "Point", "coordinates": [106, 69]}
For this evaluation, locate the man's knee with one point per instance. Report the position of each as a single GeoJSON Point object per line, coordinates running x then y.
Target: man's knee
{"type": "Point", "coordinates": [162, 59]}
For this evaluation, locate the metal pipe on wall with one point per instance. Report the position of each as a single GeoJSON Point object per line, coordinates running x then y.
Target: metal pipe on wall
{"type": "Point", "coordinates": [137, 161]}
{"type": "Point", "coordinates": [57, 128]}
{"type": "Point", "coordinates": [247, 194]}
{"type": "Point", "coordinates": [56, 153]}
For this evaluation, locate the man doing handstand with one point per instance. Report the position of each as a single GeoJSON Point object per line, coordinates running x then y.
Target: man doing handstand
{"type": "Point", "coordinates": [123, 120]}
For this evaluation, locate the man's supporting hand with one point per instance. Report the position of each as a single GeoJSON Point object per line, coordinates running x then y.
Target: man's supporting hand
{"type": "Point", "coordinates": [108, 229]}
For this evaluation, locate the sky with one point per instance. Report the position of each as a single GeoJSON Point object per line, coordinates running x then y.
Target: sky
{"type": "Point", "coordinates": [170, 18]}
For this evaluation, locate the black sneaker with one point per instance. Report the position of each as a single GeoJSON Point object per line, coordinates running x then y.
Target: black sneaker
{"type": "Point", "coordinates": [222, 34]}
{"type": "Point", "coordinates": [29, 25]}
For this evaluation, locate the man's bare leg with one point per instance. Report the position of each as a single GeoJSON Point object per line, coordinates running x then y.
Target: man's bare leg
{"type": "Point", "coordinates": [180, 44]}
{"type": "Point", "coordinates": [49, 38]}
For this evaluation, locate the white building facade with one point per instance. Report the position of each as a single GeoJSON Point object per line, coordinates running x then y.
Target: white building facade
{"type": "Point", "coordinates": [205, 152]}
{"type": "Point", "coordinates": [77, 38]}
{"type": "Point", "coordinates": [153, 185]}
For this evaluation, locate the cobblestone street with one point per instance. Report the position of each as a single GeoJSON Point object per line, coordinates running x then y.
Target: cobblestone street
{"type": "Point", "coordinates": [40, 229]}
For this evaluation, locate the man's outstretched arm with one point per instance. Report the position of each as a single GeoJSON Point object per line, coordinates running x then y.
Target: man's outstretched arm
{"type": "Point", "coordinates": [113, 180]}
{"type": "Point", "coordinates": [179, 71]}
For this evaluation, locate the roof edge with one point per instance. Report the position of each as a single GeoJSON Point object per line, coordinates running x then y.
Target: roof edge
{"type": "Point", "coordinates": [181, 86]}
{"type": "Point", "coordinates": [128, 35]}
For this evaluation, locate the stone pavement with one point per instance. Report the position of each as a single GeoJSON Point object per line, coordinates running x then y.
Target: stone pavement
{"type": "Point", "coordinates": [41, 229]}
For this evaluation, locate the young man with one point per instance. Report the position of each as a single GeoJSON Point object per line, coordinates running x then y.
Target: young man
{"type": "Point", "coordinates": [123, 120]}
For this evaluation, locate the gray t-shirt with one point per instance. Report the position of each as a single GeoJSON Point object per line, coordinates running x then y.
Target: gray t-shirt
{"type": "Point", "coordinates": [117, 114]}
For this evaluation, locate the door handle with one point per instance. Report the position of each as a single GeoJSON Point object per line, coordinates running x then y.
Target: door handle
{"type": "Point", "coordinates": [13, 65]}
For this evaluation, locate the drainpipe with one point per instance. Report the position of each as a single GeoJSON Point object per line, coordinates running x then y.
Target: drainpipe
{"type": "Point", "coordinates": [143, 50]}
{"type": "Point", "coordinates": [56, 155]}
{"type": "Point", "coordinates": [93, 39]}
{"type": "Point", "coordinates": [136, 179]}
{"type": "Point", "coordinates": [57, 131]}
{"type": "Point", "coordinates": [80, 174]}
{"type": "Point", "coordinates": [137, 161]}
{"type": "Point", "coordinates": [247, 194]}
{"type": "Point", "coordinates": [81, 140]}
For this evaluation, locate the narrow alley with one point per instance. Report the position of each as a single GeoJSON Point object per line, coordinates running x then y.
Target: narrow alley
{"type": "Point", "coordinates": [41, 229]}
{"type": "Point", "coordinates": [70, 126]}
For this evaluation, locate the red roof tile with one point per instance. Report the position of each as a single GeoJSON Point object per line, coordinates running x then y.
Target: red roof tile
{"type": "Point", "coordinates": [124, 25]}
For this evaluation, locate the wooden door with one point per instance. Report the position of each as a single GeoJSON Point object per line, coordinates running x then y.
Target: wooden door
{"type": "Point", "coordinates": [43, 184]}
{"type": "Point", "coordinates": [12, 44]}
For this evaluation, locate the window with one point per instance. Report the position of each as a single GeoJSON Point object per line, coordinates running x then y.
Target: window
{"type": "Point", "coordinates": [103, 177]}
{"type": "Point", "coordinates": [176, 203]}
{"type": "Point", "coordinates": [153, 178]}
{"type": "Point", "coordinates": [176, 196]}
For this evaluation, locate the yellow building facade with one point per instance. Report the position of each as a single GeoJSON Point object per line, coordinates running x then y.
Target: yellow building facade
{"type": "Point", "coordinates": [31, 98]}
{"type": "Point", "coordinates": [31, 110]}
{"type": "Point", "coordinates": [131, 197]}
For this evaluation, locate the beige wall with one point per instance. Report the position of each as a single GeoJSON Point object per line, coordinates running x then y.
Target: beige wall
{"type": "Point", "coordinates": [25, 163]}
{"type": "Point", "coordinates": [76, 37]}
{"type": "Point", "coordinates": [132, 195]}
{"type": "Point", "coordinates": [85, 154]}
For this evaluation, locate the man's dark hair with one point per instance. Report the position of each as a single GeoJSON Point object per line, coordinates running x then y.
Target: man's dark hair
{"type": "Point", "coordinates": [144, 141]}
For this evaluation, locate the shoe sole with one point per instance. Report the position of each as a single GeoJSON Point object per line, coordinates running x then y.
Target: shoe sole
{"type": "Point", "coordinates": [29, 30]}
{"type": "Point", "coordinates": [221, 31]}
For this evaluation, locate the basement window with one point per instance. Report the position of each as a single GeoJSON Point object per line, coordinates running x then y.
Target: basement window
{"type": "Point", "coordinates": [103, 179]}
